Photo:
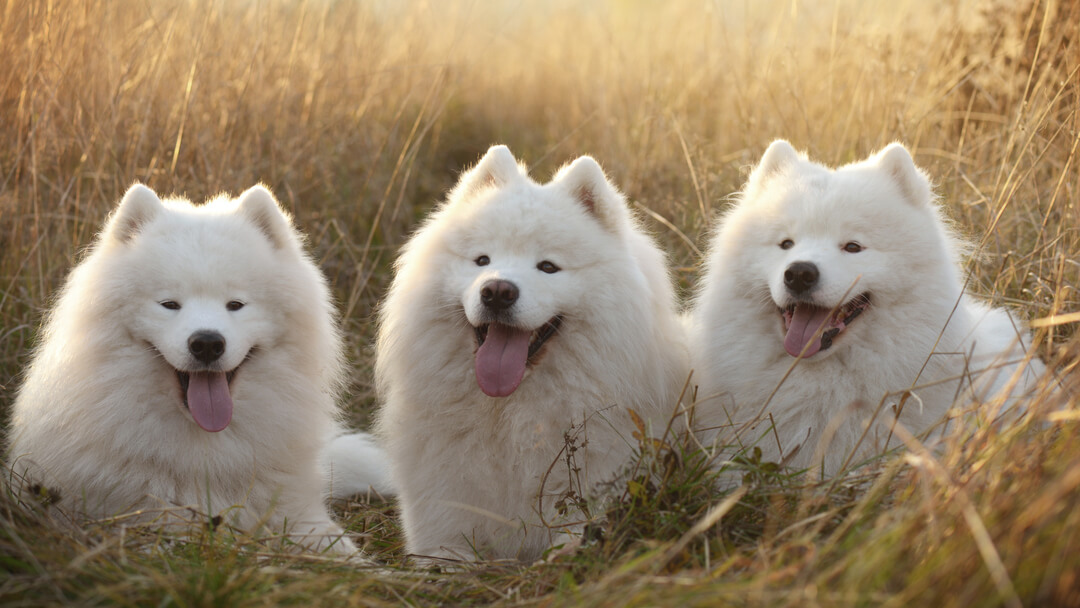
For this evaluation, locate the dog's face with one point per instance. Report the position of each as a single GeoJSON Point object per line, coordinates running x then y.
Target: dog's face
{"type": "Point", "coordinates": [202, 288]}
{"type": "Point", "coordinates": [836, 249]}
{"type": "Point", "coordinates": [527, 262]}
{"type": "Point", "coordinates": [519, 283]}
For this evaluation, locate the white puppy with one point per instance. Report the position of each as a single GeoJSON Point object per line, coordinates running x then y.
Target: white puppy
{"type": "Point", "coordinates": [190, 364]}
{"type": "Point", "coordinates": [854, 273]}
{"type": "Point", "coordinates": [524, 322]}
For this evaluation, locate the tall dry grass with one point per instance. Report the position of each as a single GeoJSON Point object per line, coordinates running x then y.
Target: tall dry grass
{"type": "Point", "coordinates": [359, 115]}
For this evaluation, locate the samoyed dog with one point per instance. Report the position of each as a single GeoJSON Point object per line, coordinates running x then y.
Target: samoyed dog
{"type": "Point", "coordinates": [833, 307]}
{"type": "Point", "coordinates": [190, 366]}
{"type": "Point", "coordinates": [524, 323]}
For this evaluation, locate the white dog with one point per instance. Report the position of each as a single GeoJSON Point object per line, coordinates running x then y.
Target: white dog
{"type": "Point", "coordinates": [523, 324]}
{"type": "Point", "coordinates": [828, 294]}
{"type": "Point", "coordinates": [192, 361]}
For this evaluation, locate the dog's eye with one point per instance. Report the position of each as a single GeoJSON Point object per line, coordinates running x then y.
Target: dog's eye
{"type": "Point", "coordinates": [548, 267]}
{"type": "Point", "coordinates": [234, 305]}
{"type": "Point", "coordinates": [483, 260]}
{"type": "Point", "coordinates": [170, 304]}
{"type": "Point", "coordinates": [787, 244]}
{"type": "Point", "coordinates": [853, 247]}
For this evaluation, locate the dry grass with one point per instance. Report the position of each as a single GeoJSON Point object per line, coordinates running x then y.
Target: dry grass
{"type": "Point", "coordinates": [359, 115]}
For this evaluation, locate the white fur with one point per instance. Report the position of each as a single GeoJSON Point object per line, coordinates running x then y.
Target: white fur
{"type": "Point", "coordinates": [911, 268]}
{"type": "Point", "coordinates": [357, 465]}
{"type": "Point", "coordinates": [470, 468]}
{"type": "Point", "coordinates": [101, 417]}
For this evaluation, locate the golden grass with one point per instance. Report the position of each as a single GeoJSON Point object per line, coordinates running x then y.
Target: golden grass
{"type": "Point", "coordinates": [359, 115]}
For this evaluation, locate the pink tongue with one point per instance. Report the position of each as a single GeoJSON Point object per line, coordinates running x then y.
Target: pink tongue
{"type": "Point", "coordinates": [209, 400]}
{"type": "Point", "coordinates": [500, 360]}
{"type": "Point", "coordinates": [805, 320]}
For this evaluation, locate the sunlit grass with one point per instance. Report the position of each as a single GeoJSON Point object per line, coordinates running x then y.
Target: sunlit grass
{"type": "Point", "coordinates": [359, 115]}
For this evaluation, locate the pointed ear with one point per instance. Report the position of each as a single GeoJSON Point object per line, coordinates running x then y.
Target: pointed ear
{"type": "Point", "coordinates": [586, 183]}
{"type": "Point", "coordinates": [896, 161]}
{"type": "Point", "coordinates": [497, 168]}
{"type": "Point", "coordinates": [259, 206]}
{"type": "Point", "coordinates": [139, 205]}
{"type": "Point", "coordinates": [777, 158]}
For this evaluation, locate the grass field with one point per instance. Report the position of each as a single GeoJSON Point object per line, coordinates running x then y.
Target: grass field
{"type": "Point", "coordinates": [360, 114]}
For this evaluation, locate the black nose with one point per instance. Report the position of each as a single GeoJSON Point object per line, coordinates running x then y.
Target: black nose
{"type": "Point", "coordinates": [498, 295]}
{"type": "Point", "coordinates": [206, 346]}
{"type": "Point", "coordinates": [801, 277]}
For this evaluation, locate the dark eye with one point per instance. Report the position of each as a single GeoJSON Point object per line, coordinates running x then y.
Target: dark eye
{"type": "Point", "coordinates": [548, 267]}
{"type": "Point", "coordinates": [234, 305]}
{"type": "Point", "coordinates": [483, 260]}
{"type": "Point", "coordinates": [787, 244]}
{"type": "Point", "coordinates": [853, 247]}
{"type": "Point", "coordinates": [170, 304]}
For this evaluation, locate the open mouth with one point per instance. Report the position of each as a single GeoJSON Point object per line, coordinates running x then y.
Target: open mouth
{"type": "Point", "coordinates": [536, 338]}
{"type": "Point", "coordinates": [185, 380]}
{"type": "Point", "coordinates": [503, 352]}
{"type": "Point", "coordinates": [207, 396]}
{"type": "Point", "coordinates": [803, 320]}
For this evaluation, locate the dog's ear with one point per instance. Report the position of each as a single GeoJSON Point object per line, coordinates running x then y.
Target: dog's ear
{"type": "Point", "coordinates": [896, 161]}
{"type": "Point", "coordinates": [777, 158]}
{"type": "Point", "coordinates": [259, 206]}
{"type": "Point", "coordinates": [139, 205]}
{"type": "Point", "coordinates": [497, 168]}
{"type": "Point", "coordinates": [586, 183]}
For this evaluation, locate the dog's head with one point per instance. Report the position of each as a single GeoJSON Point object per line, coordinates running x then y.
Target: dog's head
{"type": "Point", "coordinates": [526, 262]}
{"type": "Point", "coordinates": [205, 288]}
{"type": "Point", "coordinates": [838, 249]}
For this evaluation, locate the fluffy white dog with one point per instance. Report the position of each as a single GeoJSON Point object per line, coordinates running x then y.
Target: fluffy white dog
{"type": "Point", "coordinates": [190, 364]}
{"type": "Point", "coordinates": [828, 294]}
{"type": "Point", "coordinates": [524, 322]}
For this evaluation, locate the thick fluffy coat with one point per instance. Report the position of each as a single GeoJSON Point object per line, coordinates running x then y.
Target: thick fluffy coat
{"type": "Point", "coordinates": [854, 274]}
{"type": "Point", "coordinates": [190, 364]}
{"type": "Point", "coordinates": [523, 319]}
